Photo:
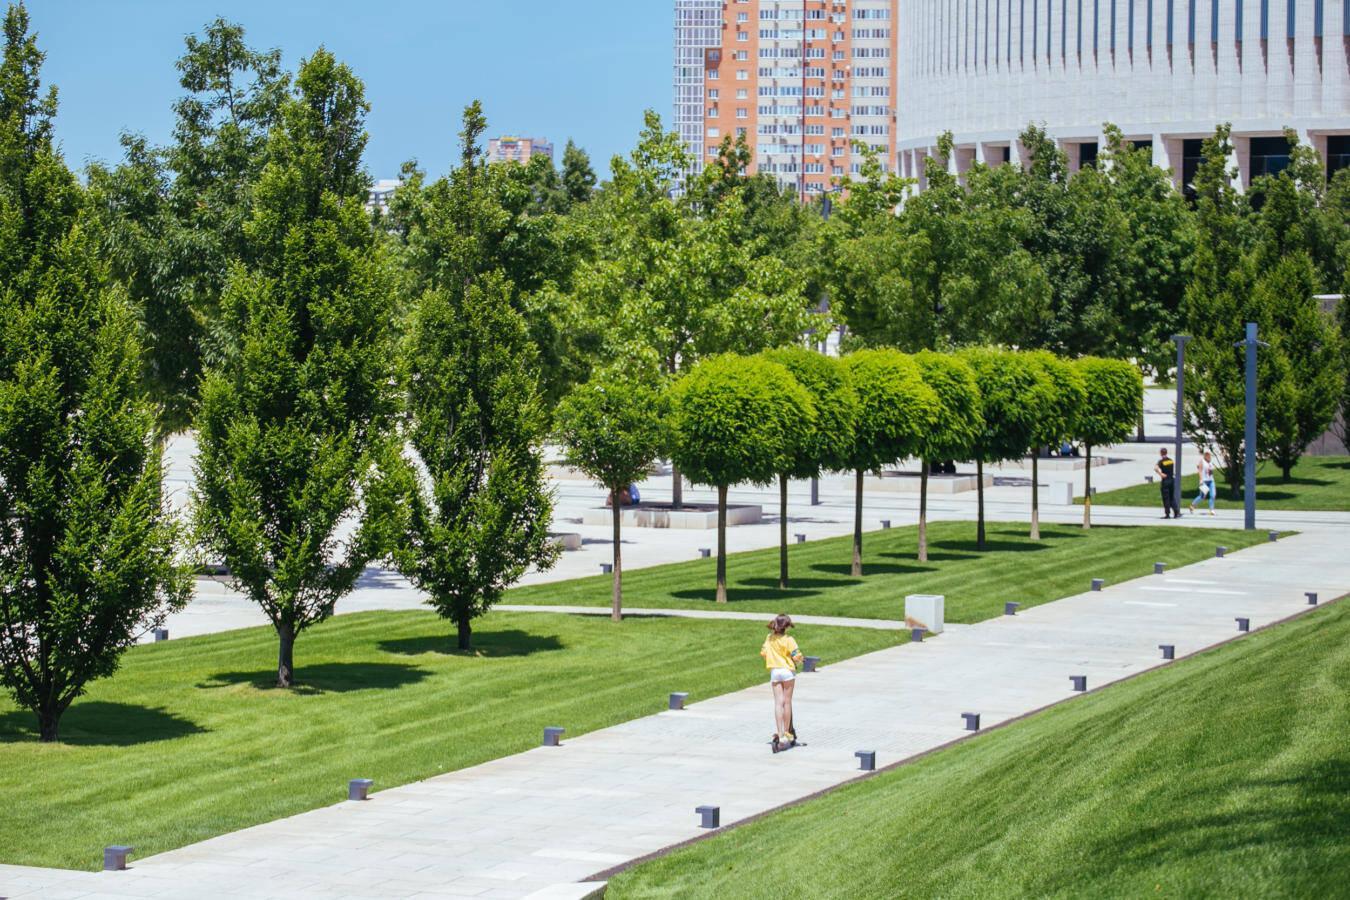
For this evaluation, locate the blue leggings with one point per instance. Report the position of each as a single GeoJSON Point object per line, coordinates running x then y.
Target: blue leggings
{"type": "Point", "coordinates": [1199, 497]}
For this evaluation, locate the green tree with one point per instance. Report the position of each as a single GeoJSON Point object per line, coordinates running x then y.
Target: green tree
{"type": "Point", "coordinates": [87, 544]}
{"type": "Point", "coordinates": [613, 428]}
{"type": "Point", "coordinates": [578, 178]}
{"type": "Point", "coordinates": [1050, 406]}
{"type": "Point", "coordinates": [476, 509]}
{"type": "Point", "coordinates": [170, 220]}
{"type": "Point", "coordinates": [820, 447]}
{"type": "Point", "coordinates": [1011, 398]}
{"type": "Point", "coordinates": [957, 425]}
{"type": "Point", "coordinates": [736, 419]}
{"type": "Point", "coordinates": [1112, 389]}
{"type": "Point", "coordinates": [295, 417]}
{"type": "Point", "coordinates": [895, 409]}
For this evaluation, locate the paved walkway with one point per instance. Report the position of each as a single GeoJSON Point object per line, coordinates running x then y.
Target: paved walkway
{"type": "Point", "coordinates": [543, 820]}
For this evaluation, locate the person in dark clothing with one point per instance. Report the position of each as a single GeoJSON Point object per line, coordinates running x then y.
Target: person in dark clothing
{"type": "Point", "coordinates": [1166, 471]}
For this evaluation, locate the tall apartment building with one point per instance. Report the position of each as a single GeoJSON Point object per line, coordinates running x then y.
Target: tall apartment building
{"type": "Point", "coordinates": [800, 79]}
{"type": "Point", "coordinates": [519, 149]}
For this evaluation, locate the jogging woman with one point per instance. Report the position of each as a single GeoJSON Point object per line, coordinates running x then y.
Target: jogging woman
{"type": "Point", "coordinates": [781, 657]}
{"type": "Point", "coordinates": [1205, 470]}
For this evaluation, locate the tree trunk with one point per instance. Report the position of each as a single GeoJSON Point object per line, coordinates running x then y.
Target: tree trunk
{"type": "Point", "coordinates": [721, 543]}
{"type": "Point", "coordinates": [782, 532]}
{"type": "Point", "coordinates": [979, 495]}
{"type": "Point", "coordinates": [676, 487]}
{"type": "Point", "coordinates": [285, 656]}
{"type": "Point", "coordinates": [465, 628]}
{"type": "Point", "coordinates": [1035, 494]}
{"type": "Point", "coordinates": [923, 512]}
{"type": "Point", "coordinates": [1087, 487]}
{"type": "Point", "coordinates": [857, 523]}
{"type": "Point", "coordinates": [1288, 471]}
{"type": "Point", "coordinates": [47, 722]}
{"type": "Point", "coordinates": [616, 607]}
{"type": "Point", "coordinates": [1140, 434]}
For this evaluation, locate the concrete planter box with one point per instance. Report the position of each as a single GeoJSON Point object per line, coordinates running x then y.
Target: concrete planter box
{"type": "Point", "coordinates": [692, 516]}
{"type": "Point", "coordinates": [1068, 463]}
{"type": "Point", "coordinates": [909, 483]}
{"type": "Point", "coordinates": [569, 540]}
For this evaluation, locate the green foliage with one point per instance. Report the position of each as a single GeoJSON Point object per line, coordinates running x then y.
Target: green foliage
{"type": "Point", "coordinates": [613, 427]}
{"type": "Point", "coordinates": [1052, 405]}
{"type": "Point", "coordinates": [1113, 392]}
{"type": "Point", "coordinates": [578, 178]}
{"type": "Point", "coordinates": [1014, 396]}
{"type": "Point", "coordinates": [474, 508]}
{"type": "Point", "coordinates": [297, 413]}
{"type": "Point", "coordinates": [822, 446]}
{"type": "Point", "coordinates": [895, 408]}
{"type": "Point", "coordinates": [736, 419]}
{"type": "Point", "coordinates": [170, 220]}
{"type": "Point", "coordinates": [87, 543]}
{"type": "Point", "coordinates": [959, 421]}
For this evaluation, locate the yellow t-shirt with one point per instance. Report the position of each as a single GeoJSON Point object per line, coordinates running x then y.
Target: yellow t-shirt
{"type": "Point", "coordinates": [779, 650]}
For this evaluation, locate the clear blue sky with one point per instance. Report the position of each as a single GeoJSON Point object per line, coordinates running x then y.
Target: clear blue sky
{"type": "Point", "coordinates": [584, 69]}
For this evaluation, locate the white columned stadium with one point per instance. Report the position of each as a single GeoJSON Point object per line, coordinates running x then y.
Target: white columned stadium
{"type": "Point", "coordinates": [1165, 71]}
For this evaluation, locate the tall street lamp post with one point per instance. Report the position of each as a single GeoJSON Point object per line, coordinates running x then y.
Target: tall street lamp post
{"type": "Point", "coordinates": [1181, 340]}
{"type": "Point", "coordinates": [1249, 442]}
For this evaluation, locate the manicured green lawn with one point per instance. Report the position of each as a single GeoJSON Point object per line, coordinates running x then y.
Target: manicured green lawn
{"type": "Point", "coordinates": [187, 741]}
{"type": "Point", "coordinates": [975, 584]}
{"type": "Point", "coordinates": [1225, 775]}
{"type": "Point", "coordinates": [1317, 482]}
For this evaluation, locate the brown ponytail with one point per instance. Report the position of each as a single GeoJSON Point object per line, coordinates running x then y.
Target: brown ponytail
{"type": "Point", "coordinates": [780, 624]}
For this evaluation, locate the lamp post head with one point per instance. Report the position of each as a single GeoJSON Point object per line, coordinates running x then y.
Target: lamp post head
{"type": "Point", "coordinates": [1181, 340]}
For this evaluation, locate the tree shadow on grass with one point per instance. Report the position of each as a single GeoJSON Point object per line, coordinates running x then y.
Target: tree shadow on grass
{"type": "Point", "coordinates": [933, 556]}
{"type": "Point", "coordinates": [815, 585]}
{"type": "Point", "coordinates": [969, 549]}
{"type": "Point", "coordinates": [741, 594]}
{"type": "Point", "coordinates": [511, 642]}
{"type": "Point", "coordinates": [324, 678]}
{"type": "Point", "coordinates": [871, 567]}
{"type": "Point", "coordinates": [96, 723]}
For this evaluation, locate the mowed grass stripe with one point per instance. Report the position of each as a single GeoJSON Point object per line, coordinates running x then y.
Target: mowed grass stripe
{"type": "Point", "coordinates": [1224, 775]}
{"type": "Point", "coordinates": [188, 741]}
{"type": "Point", "coordinates": [976, 584]}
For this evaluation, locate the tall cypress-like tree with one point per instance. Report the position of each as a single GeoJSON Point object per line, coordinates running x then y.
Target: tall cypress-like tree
{"type": "Point", "coordinates": [293, 420]}
{"type": "Point", "coordinates": [578, 178]}
{"type": "Point", "coordinates": [87, 561]}
{"type": "Point", "coordinates": [476, 508]}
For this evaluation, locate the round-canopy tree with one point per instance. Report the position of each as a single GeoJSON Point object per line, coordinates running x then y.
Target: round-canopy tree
{"type": "Point", "coordinates": [736, 419]}
{"type": "Point", "coordinates": [895, 408]}
{"type": "Point", "coordinates": [825, 447]}
{"type": "Point", "coordinates": [1113, 390]}
{"type": "Point", "coordinates": [956, 427]}
{"type": "Point", "coordinates": [1008, 384]}
{"type": "Point", "coordinates": [613, 427]}
{"type": "Point", "coordinates": [1052, 405]}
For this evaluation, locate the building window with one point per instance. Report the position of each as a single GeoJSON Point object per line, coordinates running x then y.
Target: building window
{"type": "Point", "coordinates": [1087, 155]}
{"type": "Point", "coordinates": [742, 113]}
{"type": "Point", "coordinates": [1269, 156]}
{"type": "Point", "coordinates": [1191, 157]}
{"type": "Point", "coordinates": [1338, 154]}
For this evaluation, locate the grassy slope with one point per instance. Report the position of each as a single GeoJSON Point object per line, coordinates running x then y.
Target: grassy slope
{"type": "Point", "coordinates": [1224, 775]}
{"type": "Point", "coordinates": [186, 741]}
{"type": "Point", "coordinates": [975, 584]}
{"type": "Point", "coordinates": [1317, 482]}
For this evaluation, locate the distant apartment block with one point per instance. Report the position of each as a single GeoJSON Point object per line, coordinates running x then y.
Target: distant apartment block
{"type": "Point", "coordinates": [381, 192]}
{"type": "Point", "coordinates": [801, 80]}
{"type": "Point", "coordinates": [519, 149]}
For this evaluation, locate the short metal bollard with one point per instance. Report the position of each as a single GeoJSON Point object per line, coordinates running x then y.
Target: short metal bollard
{"type": "Point", "coordinates": [1244, 624]}
{"type": "Point", "coordinates": [552, 736]}
{"type": "Point", "coordinates": [972, 721]}
{"type": "Point", "coordinates": [1098, 583]}
{"type": "Point", "coordinates": [1079, 682]}
{"type": "Point", "coordinates": [1219, 552]}
{"type": "Point", "coordinates": [1273, 535]}
{"type": "Point", "coordinates": [885, 523]}
{"type": "Point", "coordinates": [809, 663]}
{"type": "Point", "coordinates": [1159, 568]}
{"type": "Point", "coordinates": [677, 700]}
{"type": "Point", "coordinates": [115, 858]}
{"type": "Point", "coordinates": [1148, 479]}
{"type": "Point", "coordinates": [161, 634]}
{"type": "Point", "coordinates": [1169, 651]}
{"type": "Point", "coordinates": [916, 635]}
{"type": "Point", "coordinates": [1010, 608]}
{"type": "Point", "coordinates": [867, 760]}
{"type": "Point", "coordinates": [801, 539]}
{"type": "Point", "coordinates": [705, 552]}
{"type": "Point", "coordinates": [359, 788]}
{"type": "Point", "coordinates": [607, 568]}
{"type": "Point", "coordinates": [710, 816]}
{"type": "Point", "coordinates": [1312, 597]}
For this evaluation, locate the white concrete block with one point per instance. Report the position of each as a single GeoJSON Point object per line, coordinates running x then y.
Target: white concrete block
{"type": "Point", "coordinates": [927, 610]}
{"type": "Point", "coordinates": [1060, 494]}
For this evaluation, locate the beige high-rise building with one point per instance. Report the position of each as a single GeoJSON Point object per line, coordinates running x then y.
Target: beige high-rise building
{"type": "Point", "coordinates": [519, 149]}
{"type": "Point", "coordinates": [800, 79]}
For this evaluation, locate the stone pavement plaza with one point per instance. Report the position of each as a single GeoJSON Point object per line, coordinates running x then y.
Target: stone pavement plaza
{"type": "Point", "coordinates": [537, 823]}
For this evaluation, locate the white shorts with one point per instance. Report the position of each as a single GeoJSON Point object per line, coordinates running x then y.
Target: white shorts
{"type": "Point", "coordinates": [777, 675]}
